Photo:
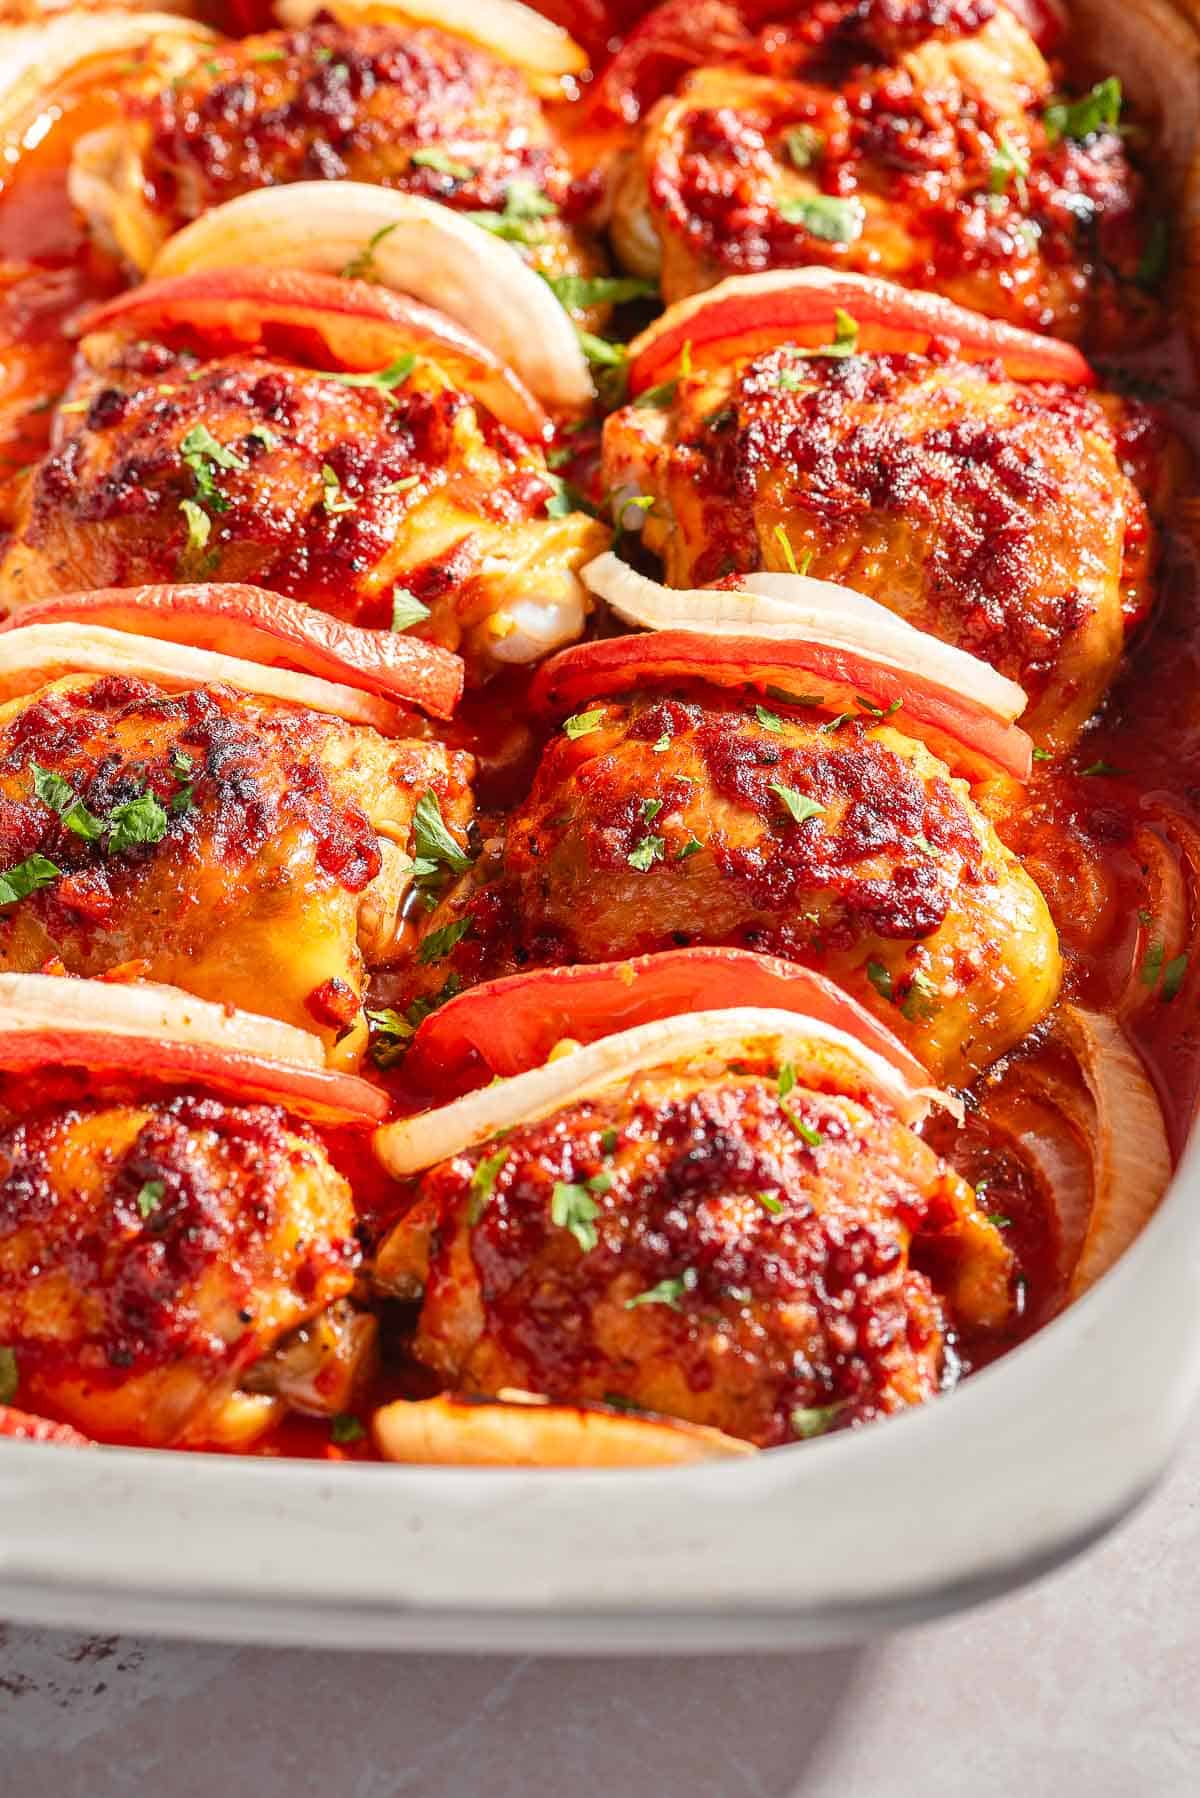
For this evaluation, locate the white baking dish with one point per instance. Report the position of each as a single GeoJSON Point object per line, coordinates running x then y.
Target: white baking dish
{"type": "Point", "coordinates": [1028, 1463]}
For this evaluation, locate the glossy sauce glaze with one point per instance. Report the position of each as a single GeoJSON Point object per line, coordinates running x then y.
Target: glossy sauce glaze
{"type": "Point", "coordinates": [1109, 828]}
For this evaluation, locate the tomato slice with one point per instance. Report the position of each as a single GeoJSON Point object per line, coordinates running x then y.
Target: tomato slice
{"type": "Point", "coordinates": [344, 324]}
{"type": "Point", "coordinates": [748, 314]}
{"type": "Point", "coordinates": [24, 1427]}
{"type": "Point", "coordinates": [954, 727]}
{"type": "Point", "coordinates": [507, 1026]}
{"type": "Point", "coordinates": [270, 629]}
{"type": "Point", "coordinates": [315, 1093]}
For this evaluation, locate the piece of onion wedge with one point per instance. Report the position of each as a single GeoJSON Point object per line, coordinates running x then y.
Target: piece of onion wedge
{"type": "Point", "coordinates": [1130, 1154]}
{"type": "Point", "coordinates": [820, 1054]}
{"type": "Point", "coordinates": [494, 1432]}
{"type": "Point", "coordinates": [38, 60]}
{"type": "Point", "coordinates": [513, 32]}
{"type": "Point", "coordinates": [271, 629]}
{"type": "Point", "coordinates": [34, 654]}
{"type": "Point", "coordinates": [417, 247]}
{"type": "Point", "coordinates": [797, 605]}
{"type": "Point", "coordinates": [155, 1032]}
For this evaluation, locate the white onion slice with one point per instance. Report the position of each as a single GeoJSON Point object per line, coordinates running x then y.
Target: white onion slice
{"type": "Point", "coordinates": [788, 606]}
{"type": "Point", "coordinates": [455, 1432]}
{"type": "Point", "coordinates": [513, 32]}
{"type": "Point", "coordinates": [1130, 1154]}
{"type": "Point", "coordinates": [35, 59]}
{"type": "Point", "coordinates": [777, 1036]}
{"type": "Point", "coordinates": [34, 654]}
{"type": "Point", "coordinates": [427, 251]}
{"type": "Point", "coordinates": [36, 1002]}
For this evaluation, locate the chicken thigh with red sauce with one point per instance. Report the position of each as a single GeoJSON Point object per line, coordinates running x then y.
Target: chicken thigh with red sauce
{"type": "Point", "coordinates": [719, 1247]}
{"type": "Point", "coordinates": [1009, 518]}
{"type": "Point", "coordinates": [931, 145]}
{"type": "Point", "coordinates": [241, 467]}
{"type": "Point", "coordinates": [407, 107]}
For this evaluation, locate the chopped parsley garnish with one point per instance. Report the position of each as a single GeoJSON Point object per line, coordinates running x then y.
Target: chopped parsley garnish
{"type": "Point", "coordinates": [439, 943]}
{"type": "Point", "coordinates": [573, 1208]}
{"type": "Point", "coordinates": [1103, 767]}
{"type": "Point", "coordinates": [361, 267]}
{"type": "Point", "coordinates": [920, 1001]}
{"type": "Point", "coordinates": [645, 853]}
{"type": "Point", "coordinates": [693, 846]}
{"type": "Point", "coordinates": [432, 841]}
{"type": "Point", "coordinates": [9, 1376]}
{"type": "Point", "coordinates": [769, 720]}
{"type": "Point", "coordinates": [877, 711]}
{"type": "Point", "coordinates": [199, 524]}
{"type": "Point", "coordinates": [138, 821]}
{"type": "Point", "coordinates": [333, 499]}
{"type": "Point", "coordinates": [392, 1025]}
{"type": "Point", "coordinates": [663, 744]}
{"type": "Point", "coordinates": [1008, 164]}
{"type": "Point", "coordinates": [441, 164]}
{"type": "Point", "coordinates": [27, 877]}
{"type": "Point", "coordinates": [407, 609]}
{"type": "Point", "coordinates": [804, 145]}
{"type": "Point", "coordinates": [62, 799]}
{"type": "Point", "coordinates": [150, 1197]}
{"type": "Point", "coordinates": [264, 435]}
{"type": "Point", "coordinates": [576, 292]}
{"type": "Point", "coordinates": [345, 1428]}
{"type": "Point", "coordinates": [483, 1184]}
{"type": "Point", "coordinates": [520, 221]}
{"type": "Point", "coordinates": [668, 1292]}
{"type": "Point", "coordinates": [1097, 110]}
{"type": "Point", "coordinates": [583, 723]}
{"type": "Point", "coordinates": [405, 485]}
{"type": "Point", "coordinates": [1173, 977]}
{"type": "Point", "coordinates": [1152, 963]}
{"type": "Point", "coordinates": [564, 500]}
{"type": "Point", "coordinates": [1042, 755]}
{"type": "Point", "coordinates": [785, 544]}
{"type": "Point", "coordinates": [770, 1203]}
{"type": "Point", "coordinates": [783, 697]}
{"type": "Point", "coordinates": [608, 1141]}
{"type": "Point", "coordinates": [797, 805]}
{"type": "Point", "coordinates": [813, 1420]}
{"type": "Point", "coordinates": [383, 380]}
{"type": "Point", "coordinates": [602, 352]}
{"type": "Point", "coordinates": [825, 216]}
{"type": "Point", "coordinates": [880, 979]}
{"type": "Point", "coordinates": [784, 1085]}
{"type": "Point", "coordinates": [269, 56]}
{"type": "Point", "coordinates": [998, 1218]}
{"type": "Point", "coordinates": [650, 810]}
{"type": "Point", "coordinates": [202, 454]}
{"type": "Point", "coordinates": [659, 396]}
{"type": "Point", "coordinates": [786, 1080]}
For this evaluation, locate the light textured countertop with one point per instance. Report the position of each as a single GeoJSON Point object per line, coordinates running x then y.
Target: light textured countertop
{"type": "Point", "coordinates": [1088, 1683]}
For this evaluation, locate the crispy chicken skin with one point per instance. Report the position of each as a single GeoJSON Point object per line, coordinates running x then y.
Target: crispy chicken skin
{"type": "Point", "coordinates": [339, 494]}
{"type": "Point", "coordinates": [996, 515]}
{"type": "Point", "coordinates": [904, 141]}
{"type": "Point", "coordinates": [671, 823]}
{"type": "Point", "coordinates": [152, 1253]}
{"type": "Point", "coordinates": [399, 106]}
{"type": "Point", "coordinates": [272, 867]}
{"type": "Point", "coordinates": [736, 1257]}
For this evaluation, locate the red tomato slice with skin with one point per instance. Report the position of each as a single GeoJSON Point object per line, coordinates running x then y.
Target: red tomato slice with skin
{"type": "Point", "coordinates": [22, 1426]}
{"type": "Point", "coordinates": [319, 1094]}
{"type": "Point", "coordinates": [349, 325]}
{"type": "Point", "coordinates": [748, 314]}
{"type": "Point", "coordinates": [507, 1026]}
{"type": "Point", "coordinates": [270, 629]}
{"type": "Point", "coordinates": [616, 664]}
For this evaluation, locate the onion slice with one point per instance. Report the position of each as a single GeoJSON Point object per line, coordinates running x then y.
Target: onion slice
{"type": "Point", "coordinates": [33, 654]}
{"type": "Point", "coordinates": [417, 247]}
{"type": "Point", "coordinates": [748, 314]}
{"type": "Point", "coordinates": [818, 1051]}
{"type": "Point", "coordinates": [513, 32]}
{"type": "Point", "coordinates": [1131, 1157]}
{"type": "Point", "coordinates": [510, 1025]}
{"type": "Point", "coordinates": [487, 1432]}
{"type": "Point", "coordinates": [268, 629]}
{"type": "Point", "coordinates": [357, 326]}
{"type": "Point", "coordinates": [36, 60]}
{"type": "Point", "coordinates": [963, 712]}
{"type": "Point", "coordinates": [154, 1032]}
{"type": "Point", "coordinates": [796, 605]}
